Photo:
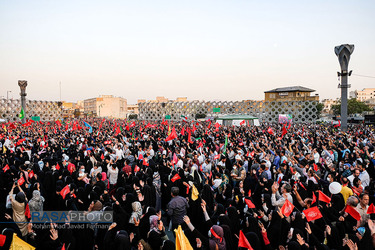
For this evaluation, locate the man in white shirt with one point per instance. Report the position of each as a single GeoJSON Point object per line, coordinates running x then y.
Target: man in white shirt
{"type": "Point", "coordinates": [279, 200]}
{"type": "Point", "coordinates": [364, 176]}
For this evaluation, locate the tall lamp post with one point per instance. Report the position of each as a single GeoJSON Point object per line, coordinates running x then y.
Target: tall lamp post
{"type": "Point", "coordinates": [9, 91]}
{"type": "Point", "coordinates": [343, 53]}
{"type": "Point", "coordinates": [23, 85]}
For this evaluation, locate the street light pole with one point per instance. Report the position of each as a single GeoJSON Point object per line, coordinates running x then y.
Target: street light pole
{"type": "Point", "coordinates": [23, 85]}
{"type": "Point", "coordinates": [343, 53]}
{"type": "Point", "coordinates": [8, 93]}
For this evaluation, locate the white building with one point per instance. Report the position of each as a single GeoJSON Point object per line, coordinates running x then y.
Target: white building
{"type": "Point", "coordinates": [106, 106]}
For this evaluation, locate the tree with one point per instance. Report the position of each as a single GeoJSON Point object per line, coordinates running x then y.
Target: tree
{"type": "Point", "coordinates": [354, 107]}
{"type": "Point", "coordinates": [133, 117]}
{"type": "Point", "coordinates": [319, 108]}
{"type": "Point", "coordinates": [200, 116]}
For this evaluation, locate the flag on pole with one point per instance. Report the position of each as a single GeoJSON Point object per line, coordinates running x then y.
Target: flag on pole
{"type": "Point", "coordinates": [323, 197]}
{"type": "Point", "coordinates": [173, 135]}
{"type": "Point", "coordinates": [22, 114]}
{"type": "Point", "coordinates": [353, 212]}
{"type": "Point", "coordinates": [89, 126]}
{"type": "Point", "coordinates": [371, 209]}
{"type": "Point", "coordinates": [65, 191]}
{"type": "Point", "coordinates": [182, 243]}
{"type": "Point", "coordinates": [249, 203]}
{"type": "Point", "coordinates": [243, 242]}
{"type": "Point", "coordinates": [18, 243]}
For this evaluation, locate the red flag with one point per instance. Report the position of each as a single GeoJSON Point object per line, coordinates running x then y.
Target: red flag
{"type": "Point", "coordinates": [353, 212]}
{"type": "Point", "coordinates": [315, 167]}
{"type": "Point", "coordinates": [6, 168]}
{"type": "Point", "coordinates": [27, 211]}
{"type": "Point", "coordinates": [164, 122]}
{"type": "Point", "coordinates": [21, 181]}
{"type": "Point", "coordinates": [312, 214]}
{"type": "Point", "coordinates": [287, 208]}
{"type": "Point", "coordinates": [65, 191]}
{"type": "Point", "coordinates": [270, 131]}
{"type": "Point", "coordinates": [290, 123]}
{"type": "Point", "coordinates": [284, 131]}
{"type": "Point", "coordinates": [243, 242]}
{"type": "Point", "coordinates": [2, 240]}
{"type": "Point", "coordinates": [57, 166]}
{"type": "Point", "coordinates": [58, 123]}
{"type": "Point", "coordinates": [338, 124]}
{"type": "Point", "coordinates": [31, 174]}
{"type": "Point", "coordinates": [249, 193]}
{"type": "Point", "coordinates": [189, 138]}
{"type": "Point", "coordinates": [217, 157]}
{"type": "Point", "coordinates": [136, 168]}
{"type": "Point", "coordinates": [174, 160]}
{"type": "Point", "coordinates": [183, 131]}
{"type": "Point", "coordinates": [300, 183]}
{"type": "Point", "coordinates": [175, 178]}
{"type": "Point", "coordinates": [172, 136]}
{"type": "Point", "coordinates": [314, 198]}
{"type": "Point", "coordinates": [242, 123]}
{"type": "Point", "coordinates": [118, 131]}
{"type": "Point", "coordinates": [187, 189]}
{"type": "Point", "coordinates": [132, 124]}
{"type": "Point", "coordinates": [209, 124]}
{"type": "Point", "coordinates": [371, 209]}
{"type": "Point", "coordinates": [323, 197]}
{"type": "Point", "coordinates": [145, 163]}
{"type": "Point", "coordinates": [249, 203]}
{"type": "Point", "coordinates": [71, 168]}
{"type": "Point", "coordinates": [102, 157]}
{"type": "Point", "coordinates": [194, 128]}
{"type": "Point", "coordinates": [63, 247]}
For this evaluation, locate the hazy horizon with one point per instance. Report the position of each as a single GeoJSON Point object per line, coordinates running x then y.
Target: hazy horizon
{"type": "Point", "coordinates": [202, 50]}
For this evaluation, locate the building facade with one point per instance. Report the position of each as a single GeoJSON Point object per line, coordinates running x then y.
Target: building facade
{"type": "Point", "coordinates": [365, 94]}
{"type": "Point", "coordinates": [328, 105]}
{"type": "Point", "coordinates": [106, 106]}
{"type": "Point", "coordinates": [294, 93]}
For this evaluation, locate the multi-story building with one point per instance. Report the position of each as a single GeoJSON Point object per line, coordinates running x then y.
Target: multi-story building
{"type": "Point", "coordinates": [365, 94]}
{"type": "Point", "coordinates": [294, 93]}
{"type": "Point", "coordinates": [106, 106]}
{"type": "Point", "coordinates": [328, 105]}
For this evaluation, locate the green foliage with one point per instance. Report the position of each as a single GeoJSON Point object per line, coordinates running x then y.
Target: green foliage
{"type": "Point", "coordinates": [319, 108]}
{"type": "Point", "coordinates": [354, 107]}
{"type": "Point", "coordinates": [200, 116]}
{"type": "Point", "coordinates": [133, 117]}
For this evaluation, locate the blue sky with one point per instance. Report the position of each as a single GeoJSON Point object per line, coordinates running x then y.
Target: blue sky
{"type": "Point", "coordinates": [205, 50]}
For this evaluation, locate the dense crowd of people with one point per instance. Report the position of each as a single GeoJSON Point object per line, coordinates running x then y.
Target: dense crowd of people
{"type": "Point", "coordinates": [274, 186]}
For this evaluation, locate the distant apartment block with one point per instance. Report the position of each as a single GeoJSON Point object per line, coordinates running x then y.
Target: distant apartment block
{"type": "Point", "coordinates": [365, 94]}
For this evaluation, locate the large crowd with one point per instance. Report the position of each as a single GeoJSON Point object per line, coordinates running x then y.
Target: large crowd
{"type": "Point", "coordinates": [183, 185]}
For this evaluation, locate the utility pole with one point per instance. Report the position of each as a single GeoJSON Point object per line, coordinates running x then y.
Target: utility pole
{"type": "Point", "coordinates": [343, 53]}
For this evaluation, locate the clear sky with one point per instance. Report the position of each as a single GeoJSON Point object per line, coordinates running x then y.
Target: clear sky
{"type": "Point", "coordinates": [200, 49]}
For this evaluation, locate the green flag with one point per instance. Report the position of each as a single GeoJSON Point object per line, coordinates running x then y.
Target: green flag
{"type": "Point", "coordinates": [225, 144]}
{"type": "Point", "coordinates": [22, 114]}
